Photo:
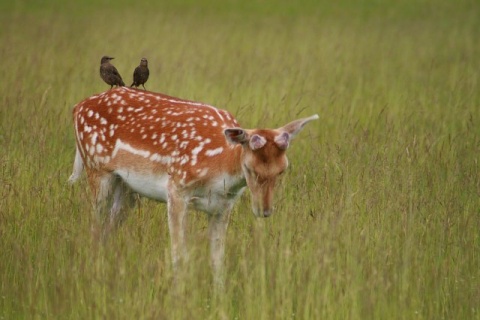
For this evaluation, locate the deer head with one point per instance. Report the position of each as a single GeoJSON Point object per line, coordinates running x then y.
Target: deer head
{"type": "Point", "coordinates": [264, 158]}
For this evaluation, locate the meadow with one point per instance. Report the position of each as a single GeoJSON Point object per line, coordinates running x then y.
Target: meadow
{"type": "Point", "coordinates": [377, 217]}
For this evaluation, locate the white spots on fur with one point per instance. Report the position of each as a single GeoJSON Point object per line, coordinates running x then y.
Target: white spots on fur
{"type": "Point", "coordinates": [116, 98]}
{"type": "Point", "coordinates": [90, 113]}
{"type": "Point", "coordinates": [197, 150]}
{"type": "Point", "coordinates": [159, 158]}
{"type": "Point", "coordinates": [120, 110]}
{"type": "Point", "coordinates": [93, 138]}
{"type": "Point", "coordinates": [103, 121]}
{"type": "Point", "coordinates": [214, 152]}
{"type": "Point", "coordinates": [99, 148]}
{"type": "Point", "coordinates": [184, 160]}
{"type": "Point", "coordinates": [120, 145]}
{"type": "Point", "coordinates": [91, 151]}
{"type": "Point", "coordinates": [202, 172]}
{"type": "Point", "coordinates": [154, 136]}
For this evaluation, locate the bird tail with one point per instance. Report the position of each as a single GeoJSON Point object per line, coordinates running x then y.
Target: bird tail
{"type": "Point", "coordinates": [122, 83]}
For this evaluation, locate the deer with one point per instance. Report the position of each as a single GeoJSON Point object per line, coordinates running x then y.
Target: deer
{"type": "Point", "coordinates": [180, 152]}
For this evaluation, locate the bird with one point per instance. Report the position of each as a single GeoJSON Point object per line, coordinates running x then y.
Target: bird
{"type": "Point", "coordinates": [109, 73]}
{"type": "Point", "coordinates": [141, 73]}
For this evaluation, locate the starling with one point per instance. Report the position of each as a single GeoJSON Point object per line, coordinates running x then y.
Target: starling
{"type": "Point", "coordinates": [141, 73]}
{"type": "Point", "coordinates": [109, 73]}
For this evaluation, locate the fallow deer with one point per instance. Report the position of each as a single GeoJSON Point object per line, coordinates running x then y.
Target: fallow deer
{"type": "Point", "coordinates": [179, 152]}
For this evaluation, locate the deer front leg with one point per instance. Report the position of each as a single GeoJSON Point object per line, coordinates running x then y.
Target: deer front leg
{"type": "Point", "coordinates": [217, 229]}
{"type": "Point", "coordinates": [177, 209]}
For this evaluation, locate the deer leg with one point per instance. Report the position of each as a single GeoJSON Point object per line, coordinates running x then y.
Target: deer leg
{"type": "Point", "coordinates": [177, 209]}
{"type": "Point", "coordinates": [120, 191]}
{"type": "Point", "coordinates": [217, 229]}
{"type": "Point", "coordinates": [101, 186]}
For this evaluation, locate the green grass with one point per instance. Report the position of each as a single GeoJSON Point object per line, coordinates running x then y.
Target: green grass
{"type": "Point", "coordinates": [378, 216]}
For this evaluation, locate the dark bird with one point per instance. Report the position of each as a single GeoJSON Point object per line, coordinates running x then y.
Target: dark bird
{"type": "Point", "coordinates": [109, 73]}
{"type": "Point", "coordinates": [141, 73]}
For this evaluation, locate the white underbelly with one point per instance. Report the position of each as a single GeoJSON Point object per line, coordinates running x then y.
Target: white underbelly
{"type": "Point", "coordinates": [148, 185]}
{"type": "Point", "coordinates": [216, 197]}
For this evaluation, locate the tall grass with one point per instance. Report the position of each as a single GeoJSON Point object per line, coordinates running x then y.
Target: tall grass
{"type": "Point", "coordinates": [377, 217]}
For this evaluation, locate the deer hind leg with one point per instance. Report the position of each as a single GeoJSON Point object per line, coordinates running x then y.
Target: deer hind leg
{"type": "Point", "coordinates": [107, 192]}
{"type": "Point", "coordinates": [177, 211]}
{"type": "Point", "coordinates": [122, 198]}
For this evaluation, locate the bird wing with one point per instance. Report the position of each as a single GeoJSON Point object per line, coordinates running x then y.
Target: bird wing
{"type": "Point", "coordinates": [115, 72]}
{"type": "Point", "coordinates": [136, 72]}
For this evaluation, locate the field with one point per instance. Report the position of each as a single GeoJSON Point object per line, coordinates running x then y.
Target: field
{"type": "Point", "coordinates": [377, 217]}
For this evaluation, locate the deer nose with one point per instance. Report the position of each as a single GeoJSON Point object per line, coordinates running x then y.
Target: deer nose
{"type": "Point", "coordinates": [267, 213]}
{"type": "Point", "coordinates": [262, 213]}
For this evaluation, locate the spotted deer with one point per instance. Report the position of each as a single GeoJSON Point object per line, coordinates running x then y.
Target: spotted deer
{"type": "Point", "coordinates": [179, 152]}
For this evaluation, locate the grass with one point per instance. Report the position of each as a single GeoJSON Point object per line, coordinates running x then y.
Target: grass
{"type": "Point", "coordinates": [377, 217]}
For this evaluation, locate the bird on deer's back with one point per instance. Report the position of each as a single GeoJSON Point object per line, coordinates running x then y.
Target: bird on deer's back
{"type": "Point", "coordinates": [109, 73]}
{"type": "Point", "coordinates": [141, 73]}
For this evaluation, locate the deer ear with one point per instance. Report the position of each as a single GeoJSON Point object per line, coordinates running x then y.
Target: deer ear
{"type": "Point", "coordinates": [236, 135]}
{"type": "Point", "coordinates": [294, 127]}
{"type": "Point", "coordinates": [256, 142]}
{"type": "Point", "coordinates": [282, 140]}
